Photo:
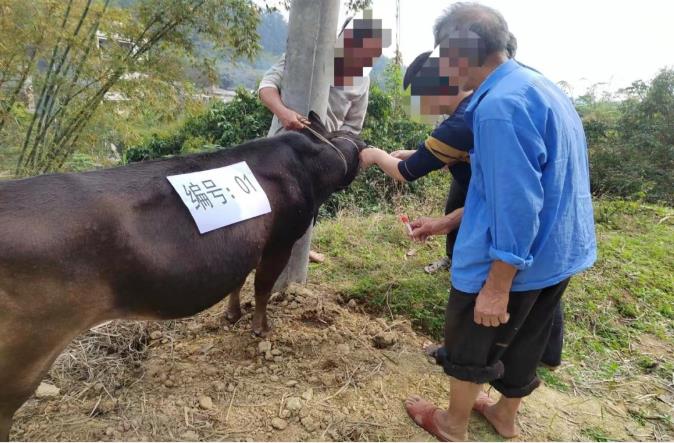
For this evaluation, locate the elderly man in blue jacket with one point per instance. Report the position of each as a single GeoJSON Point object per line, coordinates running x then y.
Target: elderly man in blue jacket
{"type": "Point", "coordinates": [526, 229]}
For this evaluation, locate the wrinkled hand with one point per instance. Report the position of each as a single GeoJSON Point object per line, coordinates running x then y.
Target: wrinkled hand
{"type": "Point", "coordinates": [368, 157]}
{"type": "Point", "coordinates": [491, 307]}
{"type": "Point", "coordinates": [424, 227]}
{"type": "Point", "coordinates": [291, 120]}
{"type": "Point", "coordinates": [402, 154]}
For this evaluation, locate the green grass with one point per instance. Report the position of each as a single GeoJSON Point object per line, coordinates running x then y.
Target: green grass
{"type": "Point", "coordinates": [369, 261]}
{"type": "Point", "coordinates": [596, 434]}
{"type": "Point", "coordinates": [627, 295]}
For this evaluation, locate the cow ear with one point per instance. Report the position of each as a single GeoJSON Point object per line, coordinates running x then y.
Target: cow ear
{"type": "Point", "coordinates": [316, 123]}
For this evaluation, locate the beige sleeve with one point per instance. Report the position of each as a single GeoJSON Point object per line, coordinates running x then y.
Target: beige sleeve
{"type": "Point", "coordinates": [274, 75]}
{"type": "Point", "coordinates": [353, 121]}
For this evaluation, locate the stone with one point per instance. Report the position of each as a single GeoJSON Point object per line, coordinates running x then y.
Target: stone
{"type": "Point", "coordinates": [276, 352]}
{"type": "Point", "coordinates": [327, 379]}
{"type": "Point", "coordinates": [109, 431]}
{"type": "Point", "coordinates": [230, 387]}
{"type": "Point", "coordinates": [294, 403]}
{"type": "Point", "coordinates": [46, 390]}
{"type": "Point", "coordinates": [205, 402]}
{"type": "Point", "coordinates": [309, 424]}
{"type": "Point", "coordinates": [264, 347]}
{"type": "Point", "coordinates": [284, 413]}
{"type": "Point", "coordinates": [385, 340]}
{"type": "Point", "coordinates": [342, 348]}
{"type": "Point", "coordinates": [308, 394]}
{"type": "Point", "coordinates": [269, 356]}
{"type": "Point", "coordinates": [156, 335]}
{"type": "Point", "coordinates": [279, 423]}
{"type": "Point", "coordinates": [352, 303]}
{"type": "Point", "coordinates": [274, 378]}
{"type": "Point", "coordinates": [189, 436]}
{"type": "Point", "coordinates": [291, 383]}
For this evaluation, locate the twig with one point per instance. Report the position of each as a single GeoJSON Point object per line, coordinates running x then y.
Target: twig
{"type": "Point", "coordinates": [230, 403]}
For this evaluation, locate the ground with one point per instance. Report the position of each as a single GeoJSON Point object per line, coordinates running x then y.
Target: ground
{"type": "Point", "coordinates": [332, 372]}
{"type": "Point", "coordinates": [347, 350]}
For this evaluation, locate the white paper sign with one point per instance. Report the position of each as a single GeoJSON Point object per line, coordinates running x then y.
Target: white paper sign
{"type": "Point", "coordinates": [222, 196]}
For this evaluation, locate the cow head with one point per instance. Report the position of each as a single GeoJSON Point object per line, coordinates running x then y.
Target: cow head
{"type": "Point", "coordinates": [318, 126]}
{"type": "Point", "coordinates": [347, 142]}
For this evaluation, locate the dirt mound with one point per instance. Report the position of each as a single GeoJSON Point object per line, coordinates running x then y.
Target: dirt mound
{"type": "Point", "coordinates": [328, 372]}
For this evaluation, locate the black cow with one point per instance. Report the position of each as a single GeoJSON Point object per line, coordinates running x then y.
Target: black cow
{"type": "Point", "coordinates": [79, 249]}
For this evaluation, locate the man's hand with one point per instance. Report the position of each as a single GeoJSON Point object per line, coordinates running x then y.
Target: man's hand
{"type": "Point", "coordinates": [491, 307]}
{"type": "Point", "coordinates": [402, 154]}
{"type": "Point", "coordinates": [424, 227]}
{"type": "Point", "coordinates": [291, 120]}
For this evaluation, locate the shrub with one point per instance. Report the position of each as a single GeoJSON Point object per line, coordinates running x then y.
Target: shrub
{"type": "Point", "coordinates": [222, 125]}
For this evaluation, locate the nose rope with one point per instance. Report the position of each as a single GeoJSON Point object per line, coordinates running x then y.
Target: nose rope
{"type": "Point", "coordinates": [348, 140]}
{"type": "Point", "coordinates": [341, 155]}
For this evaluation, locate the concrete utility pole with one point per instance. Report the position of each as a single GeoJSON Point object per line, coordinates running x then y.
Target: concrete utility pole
{"type": "Point", "coordinates": [306, 84]}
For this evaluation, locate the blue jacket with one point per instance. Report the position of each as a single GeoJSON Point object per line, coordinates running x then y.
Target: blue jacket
{"type": "Point", "coordinates": [529, 200]}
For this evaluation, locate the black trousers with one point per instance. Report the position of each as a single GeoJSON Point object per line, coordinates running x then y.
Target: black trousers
{"type": "Point", "coordinates": [456, 198]}
{"type": "Point", "coordinates": [506, 356]}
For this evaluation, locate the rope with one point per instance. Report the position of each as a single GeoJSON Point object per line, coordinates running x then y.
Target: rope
{"type": "Point", "coordinates": [341, 155]}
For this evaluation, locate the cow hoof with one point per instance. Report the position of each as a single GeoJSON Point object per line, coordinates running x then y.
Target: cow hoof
{"type": "Point", "coordinates": [233, 316]}
{"type": "Point", "coordinates": [262, 332]}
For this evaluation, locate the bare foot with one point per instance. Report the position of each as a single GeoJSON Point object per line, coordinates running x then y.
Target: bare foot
{"type": "Point", "coordinates": [316, 257]}
{"type": "Point", "coordinates": [433, 419]}
{"type": "Point", "coordinates": [486, 406]}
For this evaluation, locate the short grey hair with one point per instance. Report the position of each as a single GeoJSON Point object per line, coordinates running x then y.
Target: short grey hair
{"type": "Point", "coordinates": [484, 21]}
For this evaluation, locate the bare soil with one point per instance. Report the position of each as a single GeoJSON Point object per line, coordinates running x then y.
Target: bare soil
{"type": "Point", "coordinates": [330, 371]}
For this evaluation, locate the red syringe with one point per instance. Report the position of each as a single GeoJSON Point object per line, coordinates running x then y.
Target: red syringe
{"type": "Point", "coordinates": [406, 222]}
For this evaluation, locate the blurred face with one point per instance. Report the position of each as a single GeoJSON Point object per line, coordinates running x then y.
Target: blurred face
{"type": "Point", "coordinates": [434, 89]}
{"type": "Point", "coordinates": [441, 104]}
{"type": "Point", "coordinates": [358, 48]}
{"type": "Point", "coordinates": [461, 57]}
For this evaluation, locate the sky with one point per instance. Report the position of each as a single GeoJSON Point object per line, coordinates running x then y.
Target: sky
{"type": "Point", "coordinates": [582, 42]}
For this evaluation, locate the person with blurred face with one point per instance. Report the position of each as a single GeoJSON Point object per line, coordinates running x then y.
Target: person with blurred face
{"type": "Point", "coordinates": [447, 146]}
{"type": "Point", "coordinates": [527, 225]}
{"type": "Point", "coordinates": [357, 48]}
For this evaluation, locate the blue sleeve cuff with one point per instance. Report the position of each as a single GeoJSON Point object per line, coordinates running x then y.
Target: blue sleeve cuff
{"type": "Point", "coordinates": [512, 259]}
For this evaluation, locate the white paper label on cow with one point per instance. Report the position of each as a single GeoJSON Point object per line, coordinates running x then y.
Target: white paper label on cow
{"type": "Point", "coordinates": [222, 196]}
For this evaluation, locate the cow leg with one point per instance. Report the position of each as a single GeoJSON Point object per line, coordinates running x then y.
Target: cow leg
{"type": "Point", "coordinates": [266, 274]}
{"type": "Point", "coordinates": [5, 425]}
{"type": "Point", "coordinates": [233, 313]}
{"type": "Point", "coordinates": [25, 357]}
{"type": "Point", "coordinates": [34, 331]}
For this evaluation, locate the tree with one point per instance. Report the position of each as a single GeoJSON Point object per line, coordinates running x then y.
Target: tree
{"type": "Point", "coordinates": [79, 53]}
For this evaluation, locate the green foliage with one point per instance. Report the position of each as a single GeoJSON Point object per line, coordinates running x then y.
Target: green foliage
{"type": "Point", "coordinates": [631, 142]}
{"type": "Point", "coordinates": [78, 54]}
{"type": "Point", "coordinates": [221, 125]}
